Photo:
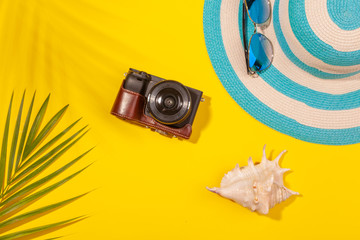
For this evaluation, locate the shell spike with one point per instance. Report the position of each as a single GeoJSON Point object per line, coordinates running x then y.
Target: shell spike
{"type": "Point", "coordinates": [284, 170]}
{"type": "Point", "coordinates": [291, 191]}
{"type": "Point", "coordinates": [264, 152]}
{"type": "Point", "coordinates": [250, 162]}
{"type": "Point", "coordinates": [277, 159]}
{"type": "Point", "coordinates": [264, 159]}
{"type": "Point", "coordinates": [214, 190]}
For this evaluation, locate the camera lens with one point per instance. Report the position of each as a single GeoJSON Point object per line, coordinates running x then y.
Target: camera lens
{"type": "Point", "coordinates": [169, 102]}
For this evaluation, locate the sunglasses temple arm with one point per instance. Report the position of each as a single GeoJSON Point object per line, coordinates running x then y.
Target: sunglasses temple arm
{"type": "Point", "coordinates": [244, 38]}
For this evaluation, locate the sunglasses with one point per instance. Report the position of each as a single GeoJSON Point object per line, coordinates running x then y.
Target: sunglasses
{"type": "Point", "coordinates": [259, 52]}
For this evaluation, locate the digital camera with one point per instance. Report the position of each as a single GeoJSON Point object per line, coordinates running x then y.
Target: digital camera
{"type": "Point", "coordinates": [165, 106]}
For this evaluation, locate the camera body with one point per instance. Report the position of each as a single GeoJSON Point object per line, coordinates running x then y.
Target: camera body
{"type": "Point", "coordinates": [165, 106]}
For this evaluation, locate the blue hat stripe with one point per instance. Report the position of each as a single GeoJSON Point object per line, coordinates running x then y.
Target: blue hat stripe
{"type": "Point", "coordinates": [312, 43]}
{"type": "Point", "coordinates": [250, 103]}
{"type": "Point", "coordinates": [287, 87]}
{"type": "Point", "coordinates": [341, 17]}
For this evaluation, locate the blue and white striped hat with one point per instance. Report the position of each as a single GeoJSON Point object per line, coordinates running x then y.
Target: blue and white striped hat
{"type": "Point", "coordinates": [312, 89]}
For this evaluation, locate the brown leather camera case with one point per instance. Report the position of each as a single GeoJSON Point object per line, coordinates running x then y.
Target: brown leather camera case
{"type": "Point", "coordinates": [130, 106]}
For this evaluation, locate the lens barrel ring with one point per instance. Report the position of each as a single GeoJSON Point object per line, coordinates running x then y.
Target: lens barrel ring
{"type": "Point", "coordinates": [169, 102]}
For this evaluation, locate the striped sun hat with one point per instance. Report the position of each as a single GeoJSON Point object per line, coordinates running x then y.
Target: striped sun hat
{"type": "Point", "coordinates": [312, 89]}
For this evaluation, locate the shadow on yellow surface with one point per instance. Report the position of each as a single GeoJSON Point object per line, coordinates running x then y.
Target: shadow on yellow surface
{"type": "Point", "coordinates": [202, 119]}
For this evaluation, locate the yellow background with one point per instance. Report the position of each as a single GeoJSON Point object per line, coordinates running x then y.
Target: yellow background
{"type": "Point", "coordinates": [146, 186]}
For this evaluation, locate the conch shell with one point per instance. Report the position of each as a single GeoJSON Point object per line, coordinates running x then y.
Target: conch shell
{"type": "Point", "coordinates": [257, 187]}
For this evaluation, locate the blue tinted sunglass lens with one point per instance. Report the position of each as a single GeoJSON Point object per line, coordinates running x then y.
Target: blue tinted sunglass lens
{"type": "Point", "coordinates": [259, 10]}
{"type": "Point", "coordinates": [260, 53]}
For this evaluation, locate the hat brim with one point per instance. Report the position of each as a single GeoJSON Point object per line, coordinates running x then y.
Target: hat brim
{"type": "Point", "coordinates": [276, 98]}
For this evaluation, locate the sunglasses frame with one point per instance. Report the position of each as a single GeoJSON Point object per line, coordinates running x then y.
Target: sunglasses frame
{"type": "Point", "coordinates": [245, 45]}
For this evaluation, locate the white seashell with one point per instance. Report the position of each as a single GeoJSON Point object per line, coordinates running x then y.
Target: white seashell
{"type": "Point", "coordinates": [257, 187]}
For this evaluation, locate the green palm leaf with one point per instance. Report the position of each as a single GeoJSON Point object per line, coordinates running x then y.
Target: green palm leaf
{"type": "Point", "coordinates": [23, 136]}
{"type": "Point", "coordinates": [35, 169]}
{"type": "Point", "coordinates": [4, 147]}
{"type": "Point", "coordinates": [38, 211]}
{"type": "Point", "coordinates": [35, 127]}
{"type": "Point", "coordinates": [28, 158]}
{"type": "Point", "coordinates": [40, 182]}
{"type": "Point", "coordinates": [37, 229]}
{"type": "Point", "coordinates": [49, 143]}
{"type": "Point", "coordinates": [15, 139]}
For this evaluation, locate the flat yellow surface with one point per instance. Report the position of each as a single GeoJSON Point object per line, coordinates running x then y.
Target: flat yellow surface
{"type": "Point", "coordinates": [146, 186]}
